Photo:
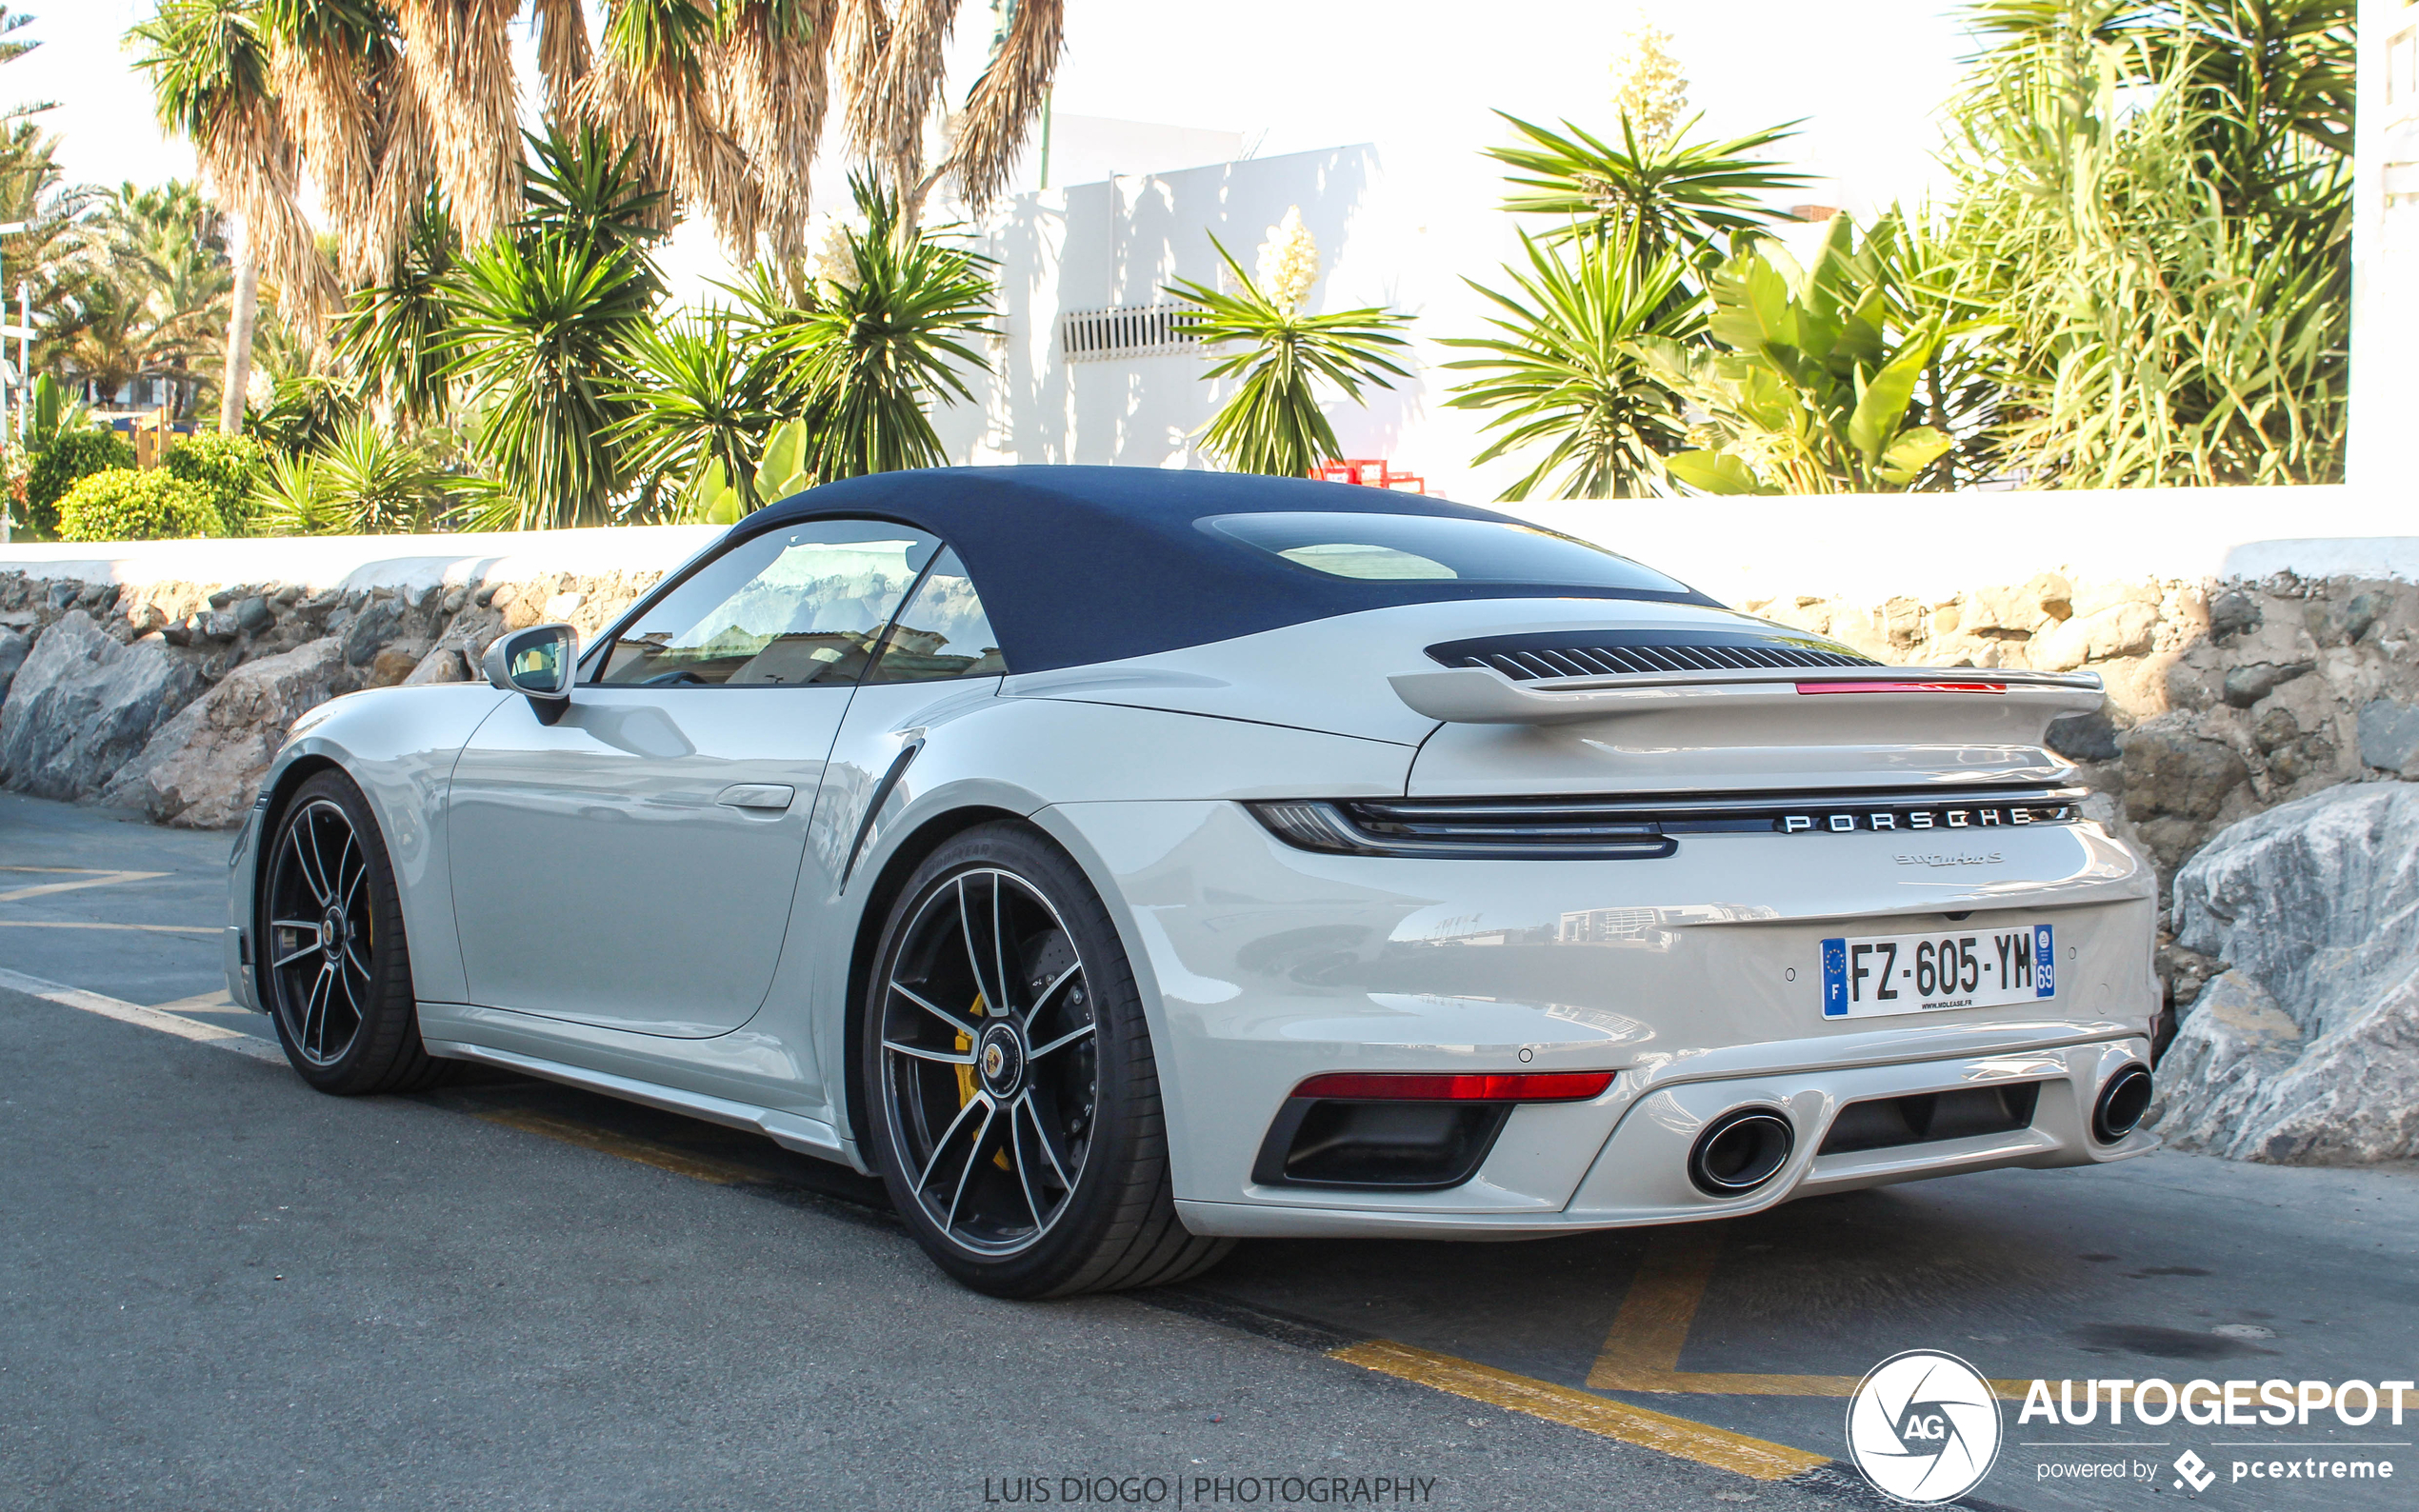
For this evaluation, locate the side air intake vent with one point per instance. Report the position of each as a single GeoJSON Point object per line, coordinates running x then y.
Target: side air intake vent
{"type": "Point", "coordinates": [1613, 653]}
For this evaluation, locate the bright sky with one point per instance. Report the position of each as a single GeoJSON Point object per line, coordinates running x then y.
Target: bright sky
{"type": "Point", "coordinates": [1296, 74]}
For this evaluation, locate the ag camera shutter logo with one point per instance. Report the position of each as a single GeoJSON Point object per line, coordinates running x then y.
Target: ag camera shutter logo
{"type": "Point", "coordinates": [1924, 1427]}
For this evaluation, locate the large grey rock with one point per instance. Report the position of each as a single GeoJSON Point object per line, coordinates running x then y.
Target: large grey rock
{"type": "Point", "coordinates": [15, 647]}
{"type": "Point", "coordinates": [2169, 772]}
{"type": "Point", "coordinates": [2305, 1052]}
{"type": "Point", "coordinates": [201, 770]}
{"type": "Point", "coordinates": [82, 705]}
{"type": "Point", "coordinates": [373, 628]}
{"type": "Point", "coordinates": [2389, 736]}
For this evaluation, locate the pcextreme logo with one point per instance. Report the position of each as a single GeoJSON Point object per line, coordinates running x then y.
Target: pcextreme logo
{"type": "Point", "coordinates": [1924, 1427]}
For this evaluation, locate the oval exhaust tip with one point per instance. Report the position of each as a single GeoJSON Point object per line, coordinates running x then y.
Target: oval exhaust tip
{"type": "Point", "coordinates": [1741, 1150]}
{"type": "Point", "coordinates": [2122, 1102]}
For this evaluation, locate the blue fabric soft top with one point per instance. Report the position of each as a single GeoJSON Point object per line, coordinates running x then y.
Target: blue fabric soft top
{"type": "Point", "coordinates": [1078, 565]}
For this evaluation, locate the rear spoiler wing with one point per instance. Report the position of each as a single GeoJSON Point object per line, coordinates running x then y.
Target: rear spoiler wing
{"type": "Point", "coordinates": [1481, 695]}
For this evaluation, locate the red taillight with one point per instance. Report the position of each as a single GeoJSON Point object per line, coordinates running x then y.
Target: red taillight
{"type": "Point", "coordinates": [1902, 687]}
{"type": "Point", "coordinates": [1503, 1086]}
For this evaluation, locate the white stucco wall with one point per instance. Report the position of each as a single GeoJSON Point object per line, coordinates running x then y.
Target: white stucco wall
{"type": "Point", "coordinates": [1853, 546]}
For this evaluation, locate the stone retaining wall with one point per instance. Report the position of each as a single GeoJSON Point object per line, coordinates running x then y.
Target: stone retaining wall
{"type": "Point", "coordinates": [2225, 699]}
{"type": "Point", "coordinates": [169, 697]}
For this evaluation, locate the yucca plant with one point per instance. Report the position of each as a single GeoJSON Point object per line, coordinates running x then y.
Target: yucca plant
{"type": "Point", "coordinates": [1665, 194]}
{"type": "Point", "coordinates": [540, 320]}
{"type": "Point", "coordinates": [861, 354]}
{"type": "Point", "coordinates": [393, 334]}
{"type": "Point", "coordinates": [699, 397]}
{"type": "Point", "coordinates": [366, 481]}
{"type": "Point", "coordinates": [1563, 374]}
{"type": "Point", "coordinates": [1272, 422]}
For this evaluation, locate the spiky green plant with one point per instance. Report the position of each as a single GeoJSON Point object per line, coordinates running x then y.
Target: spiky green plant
{"type": "Point", "coordinates": [1668, 194]}
{"type": "Point", "coordinates": [862, 353]}
{"type": "Point", "coordinates": [1272, 422]}
{"type": "Point", "coordinates": [1563, 376]}
{"type": "Point", "coordinates": [541, 317]}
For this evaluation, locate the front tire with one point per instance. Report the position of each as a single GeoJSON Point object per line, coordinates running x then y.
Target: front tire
{"type": "Point", "coordinates": [335, 970]}
{"type": "Point", "coordinates": [1014, 1096]}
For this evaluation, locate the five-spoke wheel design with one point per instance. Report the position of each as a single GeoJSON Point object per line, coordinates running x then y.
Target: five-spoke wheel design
{"type": "Point", "coordinates": [988, 1060]}
{"type": "Point", "coordinates": [321, 931]}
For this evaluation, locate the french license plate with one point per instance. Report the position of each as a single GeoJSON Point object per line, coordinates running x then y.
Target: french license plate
{"type": "Point", "coordinates": [1872, 976]}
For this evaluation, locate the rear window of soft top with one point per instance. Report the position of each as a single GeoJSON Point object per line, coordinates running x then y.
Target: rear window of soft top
{"type": "Point", "coordinates": [1434, 549]}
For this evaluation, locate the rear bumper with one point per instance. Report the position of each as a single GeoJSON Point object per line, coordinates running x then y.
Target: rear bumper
{"type": "Point", "coordinates": [1694, 977]}
{"type": "Point", "coordinates": [1638, 1175]}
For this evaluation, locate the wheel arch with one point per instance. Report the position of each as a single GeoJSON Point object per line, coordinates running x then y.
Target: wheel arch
{"type": "Point", "coordinates": [282, 787]}
{"type": "Point", "coordinates": [888, 882]}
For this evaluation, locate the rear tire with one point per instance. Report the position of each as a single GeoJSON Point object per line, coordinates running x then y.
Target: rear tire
{"type": "Point", "coordinates": [335, 968]}
{"type": "Point", "coordinates": [1013, 1096]}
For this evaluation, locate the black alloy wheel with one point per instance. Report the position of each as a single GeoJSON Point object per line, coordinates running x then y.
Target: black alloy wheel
{"type": "Point", "coordinates": [1016, 1097]}
{"type": "Point", "coordinates": [331, 962]}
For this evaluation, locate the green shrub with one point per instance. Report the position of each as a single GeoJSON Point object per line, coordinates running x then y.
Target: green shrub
{"type": "Point", "coordinates": [124, 505]}
{"type": "Point", "coordinates": [225, 468]}
{"type": "Point", "coordinates": [56, 469]}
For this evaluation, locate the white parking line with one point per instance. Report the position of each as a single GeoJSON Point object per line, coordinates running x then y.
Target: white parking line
{"type": "Point", "coordinates": [143, 928]}
{"type": "Point", "coordinates": [91, 878]}
{"type": "Point", "coordinates": [135, 1013]}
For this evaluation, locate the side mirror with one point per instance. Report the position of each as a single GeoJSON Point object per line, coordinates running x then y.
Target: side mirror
{"type": "Point", "coordinates": [538, 663]}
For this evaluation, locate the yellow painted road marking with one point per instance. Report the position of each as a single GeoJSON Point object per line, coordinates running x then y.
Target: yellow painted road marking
{"type": "Point", "coordinates": [1642, 1351]}
{"type": "Point", "coordinates": [91, 878]}
{"type": "Point", "coordinates": [1700, 1442]}
{"type": "Point", "coordinates": [140, 928]}
{"type": "Point", "coordinates": [705, 1168]}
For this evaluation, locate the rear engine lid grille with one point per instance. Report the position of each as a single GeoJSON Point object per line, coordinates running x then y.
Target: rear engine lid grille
{"type": "Point", "coordinates": [1615, 653]}
{"type": "Point", "coordinates": [1622, 828]}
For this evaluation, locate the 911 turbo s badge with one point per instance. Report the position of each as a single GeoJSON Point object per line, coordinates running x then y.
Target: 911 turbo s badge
{"type": "Point", "coordinates": [1842, 822]}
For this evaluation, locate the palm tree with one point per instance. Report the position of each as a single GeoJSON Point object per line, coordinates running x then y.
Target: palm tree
{"type": "Point", "coordinates": [211, 78]}
{"type": "Point", "coordinates": [375, 101]}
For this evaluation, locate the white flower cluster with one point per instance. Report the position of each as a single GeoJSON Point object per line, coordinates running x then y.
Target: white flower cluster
{"type": "Point", "coordinates": [1647, 83]}
{"type": "Point", "coordinates": [835, 260]}
{"type": "Point", "coordinates": [260, 390]}
{"type": "Point", "coordinates": [1289, 262]}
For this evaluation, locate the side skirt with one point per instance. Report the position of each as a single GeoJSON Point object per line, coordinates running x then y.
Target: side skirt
{"type": "Point", "coordinates": [806, 1135]}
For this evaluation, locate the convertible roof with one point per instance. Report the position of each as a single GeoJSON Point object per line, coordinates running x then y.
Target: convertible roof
{"type": "Point", "coordinates": [1082, 565]}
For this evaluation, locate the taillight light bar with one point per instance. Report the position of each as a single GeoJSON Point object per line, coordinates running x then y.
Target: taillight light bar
{"type": "Point", "coordinates": [1496, 1086]}
{"type": "Point", "coordinates": [1902, 687]}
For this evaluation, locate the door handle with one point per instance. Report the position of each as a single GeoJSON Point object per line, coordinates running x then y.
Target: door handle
{"type": "Point", "coordinates": [771, 796]}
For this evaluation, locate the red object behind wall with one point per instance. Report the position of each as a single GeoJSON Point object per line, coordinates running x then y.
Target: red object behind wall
{"type": "Point", "coordinates": [1370, 472]}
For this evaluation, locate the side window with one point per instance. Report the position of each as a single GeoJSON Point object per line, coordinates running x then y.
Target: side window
{"type": "Point", "coordinates": [943, 632]}
{"type": "Point", "coordinates": [786, 608]}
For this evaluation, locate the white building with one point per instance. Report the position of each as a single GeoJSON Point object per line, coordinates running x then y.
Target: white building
{"type": "Point", "coordinates": [1089, 371]}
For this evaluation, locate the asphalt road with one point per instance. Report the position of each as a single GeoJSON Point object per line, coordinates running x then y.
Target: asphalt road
{"type": "Point", "coordinates": [220, 1289]}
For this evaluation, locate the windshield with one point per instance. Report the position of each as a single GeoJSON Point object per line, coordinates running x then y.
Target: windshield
{"type": "Point", "coordinates": [1431, 548]}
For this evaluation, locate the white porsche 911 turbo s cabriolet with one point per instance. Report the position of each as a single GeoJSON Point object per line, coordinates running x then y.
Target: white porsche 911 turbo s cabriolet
{"type": "Point", "coordinates": [1118, 862]}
